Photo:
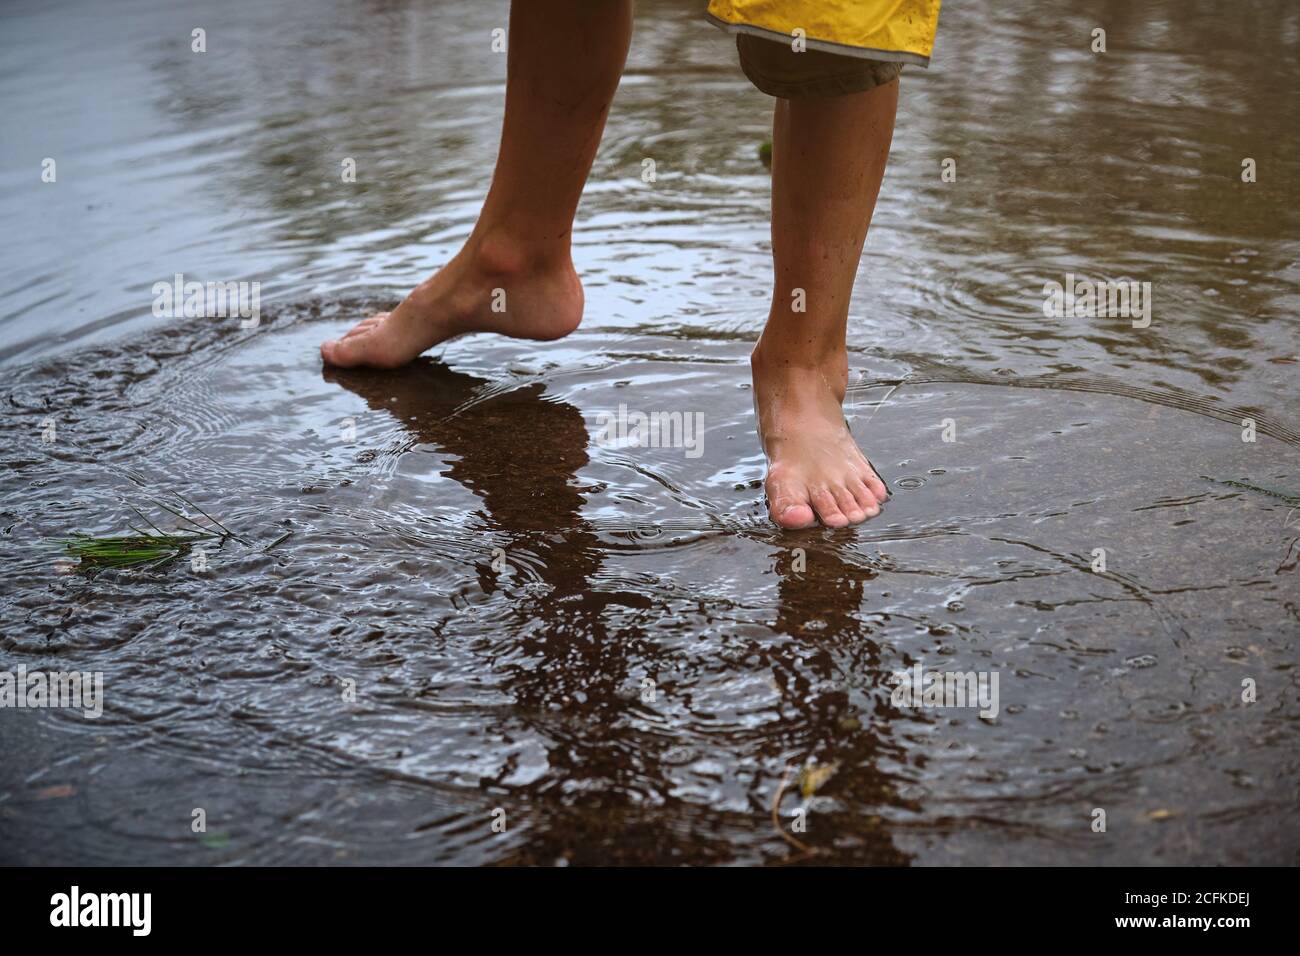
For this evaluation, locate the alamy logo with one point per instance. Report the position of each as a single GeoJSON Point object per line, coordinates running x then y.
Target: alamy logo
{"type": "Point", "coordinates": [102, 909]}
{"type": "Point", "coordinates": [1084, 298]}
{"type": "Point", "coordinates": [36, 689]}
{"type": "Point", "coordinates": [917, 688]}
{"type": "Point", "coordinates": [208, 300]}
{"type": "Point", "coordinates": [653, 430]}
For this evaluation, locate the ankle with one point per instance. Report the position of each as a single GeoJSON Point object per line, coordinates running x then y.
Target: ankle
{"type": "Point", "coordinates": [773, 356]}
{"type": "Point", "coordinates": [497, 283]}
{"type": "Point", "coordinates": [499, 254]}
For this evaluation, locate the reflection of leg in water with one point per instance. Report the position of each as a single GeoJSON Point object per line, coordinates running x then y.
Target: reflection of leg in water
{"type": "Point", "coordinates": [569, 650]}
{"type": "Point", "coordinates": [520, 453]}
{"type": "Point", "coordinates": [514, 275]}
{"type": "Point", "coordinates": [840, 721]}
{"type": "Point", "coordinates": [818, 585]}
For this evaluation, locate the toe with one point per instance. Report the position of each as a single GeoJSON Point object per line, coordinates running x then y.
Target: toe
{"type": "Point", "coordinates": [344, 352]}
{"type": "Point", "coordinates": [793, 514]}
{"type": "Point", "coordinates": [788, 501]}
{"type": "Point", "coordinates": [872, 481]}
{"type": "Point", "coordinates": [366, 325]}
{"type": "Point", "coordinates": [849, 506]}
{"type": "Point", "coordinates": [865, 497]}
{"type": "Point", "coordinates": [828, 509]}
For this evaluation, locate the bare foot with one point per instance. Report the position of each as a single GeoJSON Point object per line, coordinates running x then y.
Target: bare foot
{"type": "Point", "coordinates": [815, 470]}
{"type": "Point", "coordinates": [487, 287]}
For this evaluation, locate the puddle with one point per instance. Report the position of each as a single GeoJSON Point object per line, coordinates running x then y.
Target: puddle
{"type": "Point", "coordinates": [482, 605]}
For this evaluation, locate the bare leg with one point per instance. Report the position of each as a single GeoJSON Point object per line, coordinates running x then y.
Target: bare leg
{"type": "Point", "coordinates": [514, 275]}
{"type": "Point", "coordinates": [828, 158]}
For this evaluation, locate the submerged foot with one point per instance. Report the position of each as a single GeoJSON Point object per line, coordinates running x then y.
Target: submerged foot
{"type": "Point", "coordinates": [485, 288]}
{"type": "Point", "coordinates": [815, 470]}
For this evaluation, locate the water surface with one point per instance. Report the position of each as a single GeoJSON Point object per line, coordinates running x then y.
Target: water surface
{"type": "Point", "coordinates": [499, 585]}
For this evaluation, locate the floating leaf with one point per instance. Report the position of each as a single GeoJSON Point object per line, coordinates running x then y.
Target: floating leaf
{"type": "Point", "coordinates": [814, 775]}
{"type": "Point", "coordinates": [153, 547]}
{"type": "Point", "coordinates": [132, 550]}
{"type": "Point", "coordinates": [217, 840]}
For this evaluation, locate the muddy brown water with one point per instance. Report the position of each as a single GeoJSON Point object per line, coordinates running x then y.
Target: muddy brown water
{"type": "Point", "coordinates": [504, 589]}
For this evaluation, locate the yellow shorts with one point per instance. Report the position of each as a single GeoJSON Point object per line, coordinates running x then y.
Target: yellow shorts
{"type": "Point", "coordinates": [796, 48]}
{"type": "Point", "coordinates": [777, 70]}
